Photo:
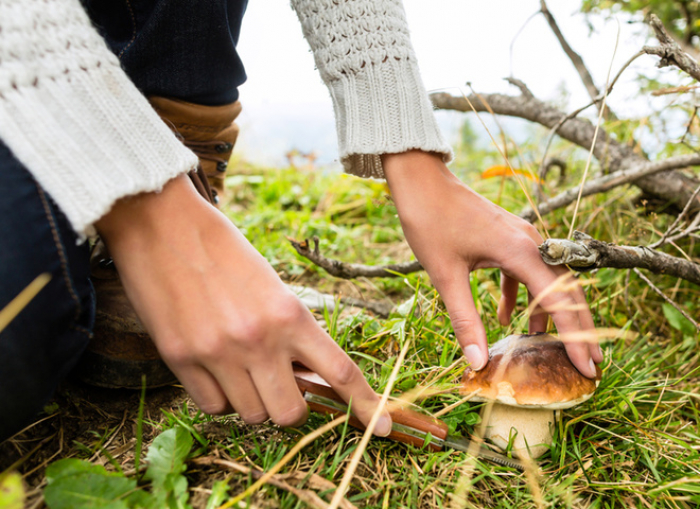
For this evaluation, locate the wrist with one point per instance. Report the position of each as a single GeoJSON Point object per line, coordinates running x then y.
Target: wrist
{"type": "Point", "coordinates": [147, 212]}
{"type": "Point", "coordinates": [404, 165]}
{"type": "Point", "coordinates": [416, 179]}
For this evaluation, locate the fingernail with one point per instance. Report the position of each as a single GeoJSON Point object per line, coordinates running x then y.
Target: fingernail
{"type": "Point", "coordinates": [600, 352]}
{"type": "Point", "coordinates": [476, 359]}
{"type": "Point", "coordinates": [593, 370]}
{"type": "Point", "coordinates": [383, 426]}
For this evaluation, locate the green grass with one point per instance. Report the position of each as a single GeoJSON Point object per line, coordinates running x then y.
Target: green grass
{"type": "Point", "coordinates": [635, 444]}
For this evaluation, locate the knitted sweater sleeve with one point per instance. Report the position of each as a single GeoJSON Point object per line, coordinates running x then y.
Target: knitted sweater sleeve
{"type": "Point", "coordinates": [71, 115]}
{"type": "Point", "coordinates": [363, 51]}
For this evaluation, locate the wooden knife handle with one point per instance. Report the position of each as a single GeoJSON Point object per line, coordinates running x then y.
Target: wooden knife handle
{"type": "Point", "coordinates": [308, 381]}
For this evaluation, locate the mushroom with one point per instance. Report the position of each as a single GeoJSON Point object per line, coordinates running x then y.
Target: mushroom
{"type": "Point", "coordinates": [528, 377]}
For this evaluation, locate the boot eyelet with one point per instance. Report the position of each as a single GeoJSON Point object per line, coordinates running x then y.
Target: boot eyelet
{"type": "Point", "coordinates": [221, 166]}
{"type": "Point", "coordinates": [224, 147]}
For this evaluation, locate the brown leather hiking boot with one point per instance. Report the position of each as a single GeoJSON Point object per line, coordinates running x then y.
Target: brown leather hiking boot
{"type": "Point", "coordinates": [121, 351]}
{"type": "Point", "coordinates": [209, 131]}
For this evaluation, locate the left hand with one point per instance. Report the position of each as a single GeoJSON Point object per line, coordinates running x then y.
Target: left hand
{"type": "Point", "coordinates": [453, 230]}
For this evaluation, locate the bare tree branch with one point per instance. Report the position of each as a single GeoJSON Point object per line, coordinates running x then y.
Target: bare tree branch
{"type": "Point", "coordinates": [670, 52]}
{"type": "Point", "coordinates": [575, 58]}
{"type": "Point", "coordinates": [607, 182]}
{"type": "Point", "coordinates": [673, 186]}
{"type": "Point", "coordinates": [586, 253]}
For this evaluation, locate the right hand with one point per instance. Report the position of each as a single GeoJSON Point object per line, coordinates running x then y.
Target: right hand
{"type": "Point", "coordinates": [219, 315]}
{"type": "Point", "coordinates": [453, 231]}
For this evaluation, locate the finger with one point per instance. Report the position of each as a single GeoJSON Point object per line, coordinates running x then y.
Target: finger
{"type": "Point", "coordinates": [509, 296]}
{"type": "Point", "coordinates": [556, 298]}
{"type": "Point", "coordinates": [280, 394]}
{"type": "Point", "coordinates": [538, 317]}
{"type": "Point", "coordinates": [203, 389]}
{"type": "Point", "coordinates": [322, 355]}
{"type": "Point", "coordinates": [241, 392]}
{"type": "Point", "coordinates": [466, 322]}
{"type": "Point", "coordinates": [586, 319]}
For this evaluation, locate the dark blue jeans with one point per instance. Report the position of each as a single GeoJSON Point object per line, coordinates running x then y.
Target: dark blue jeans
{"type": "Point", "coordinates": [184, 49]}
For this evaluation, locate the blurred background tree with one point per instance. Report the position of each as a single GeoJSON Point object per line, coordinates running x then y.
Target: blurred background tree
{"type": "Point", "coordinates": [681, 17]}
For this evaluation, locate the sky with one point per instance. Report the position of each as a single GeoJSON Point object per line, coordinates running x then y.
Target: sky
{"type": "Point", "coordinates": [286, 106]}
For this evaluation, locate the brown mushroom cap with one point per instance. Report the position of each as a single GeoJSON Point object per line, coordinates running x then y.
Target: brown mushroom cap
{"type": "Point", "coordinates": [537, 374]}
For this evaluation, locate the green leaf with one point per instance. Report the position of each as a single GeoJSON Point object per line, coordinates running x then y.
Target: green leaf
{"type": "Point", "coordinates": [167, 454]}
{"type": "Point", "coordinates": [77, 484]}
{"type": "Point", "coordinates": [472, 419]}
{"type": "Point", "coordinates": [166, 462]}
{"type": "Point", "coordinates": [219, 491]}
{"type": "Point", "coordinates": [12, 491]}
{"type": "Point", "coordinates": [172, 493]}
{"type": "Point", "coordinates": [677, 320]}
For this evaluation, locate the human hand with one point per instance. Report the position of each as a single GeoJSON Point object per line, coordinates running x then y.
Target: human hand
{"type": "Point", "coordinates": [221, 318]}
{"type": "Point", "coordinates": [453, 230]}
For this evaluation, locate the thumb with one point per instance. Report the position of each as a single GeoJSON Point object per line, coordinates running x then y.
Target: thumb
{"type": "Point", "coordinates": [466, 322]}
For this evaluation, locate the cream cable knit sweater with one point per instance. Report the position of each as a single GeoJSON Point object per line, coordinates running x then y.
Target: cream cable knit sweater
{"type": "Point", "coordinates": [71, 115]}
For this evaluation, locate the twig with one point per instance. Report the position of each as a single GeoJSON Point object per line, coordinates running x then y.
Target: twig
{"type": "Point", "coordinates": [585, 253]}
{"type": "Point", "coordinates": [667, 299]}
{"type": "Point", "coordinates": [351, 270]}
{"type": "Point", "coordinates": [688, 232]}
{"type": "Point", "coordinates": [670, 52]}
{"type": "Point", "coordinates": [671, 229]}
{"type": "Point", "coordinates": [674, 90]}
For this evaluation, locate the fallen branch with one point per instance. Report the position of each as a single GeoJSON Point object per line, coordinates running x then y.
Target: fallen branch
{"type": "Point", "coordinates": [585, 253]}
{"type": "Point", "coordinates": [351, 270]}
{"type": "Point", "coordinates": [561, 249]}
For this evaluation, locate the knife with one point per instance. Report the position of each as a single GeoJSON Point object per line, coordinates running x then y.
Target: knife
{"type": "Point", "coordinates": [408, 425]}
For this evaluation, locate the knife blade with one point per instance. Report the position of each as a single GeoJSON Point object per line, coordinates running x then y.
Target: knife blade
{"type": "Point", "coordinates": [408, 425]}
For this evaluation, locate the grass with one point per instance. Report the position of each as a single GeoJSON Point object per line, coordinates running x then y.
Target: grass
{"type": "Point", "coordinates": [635, 444]}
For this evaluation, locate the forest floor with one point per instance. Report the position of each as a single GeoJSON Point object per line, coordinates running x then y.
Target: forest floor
{"type": "Point", "coordinates": [635, 444]}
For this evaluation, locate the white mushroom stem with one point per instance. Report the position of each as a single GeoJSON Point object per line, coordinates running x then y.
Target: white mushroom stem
{"type": "Point", "coordinates": [528, 428]}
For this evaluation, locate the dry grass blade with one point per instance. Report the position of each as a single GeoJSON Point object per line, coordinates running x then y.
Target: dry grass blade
{"type": "Point", "coordinates": [517, 177]}
{"type": "Point", "coordinates": [357, 455]}
{"type": "Point", "coordinates": [280, 481]}
{"type": "Point", "coordinates": [595, 136]}
{"type": "Point", "coordinates": [9, 312]}
{"type": "Point", "coordinates": [307, 439]}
